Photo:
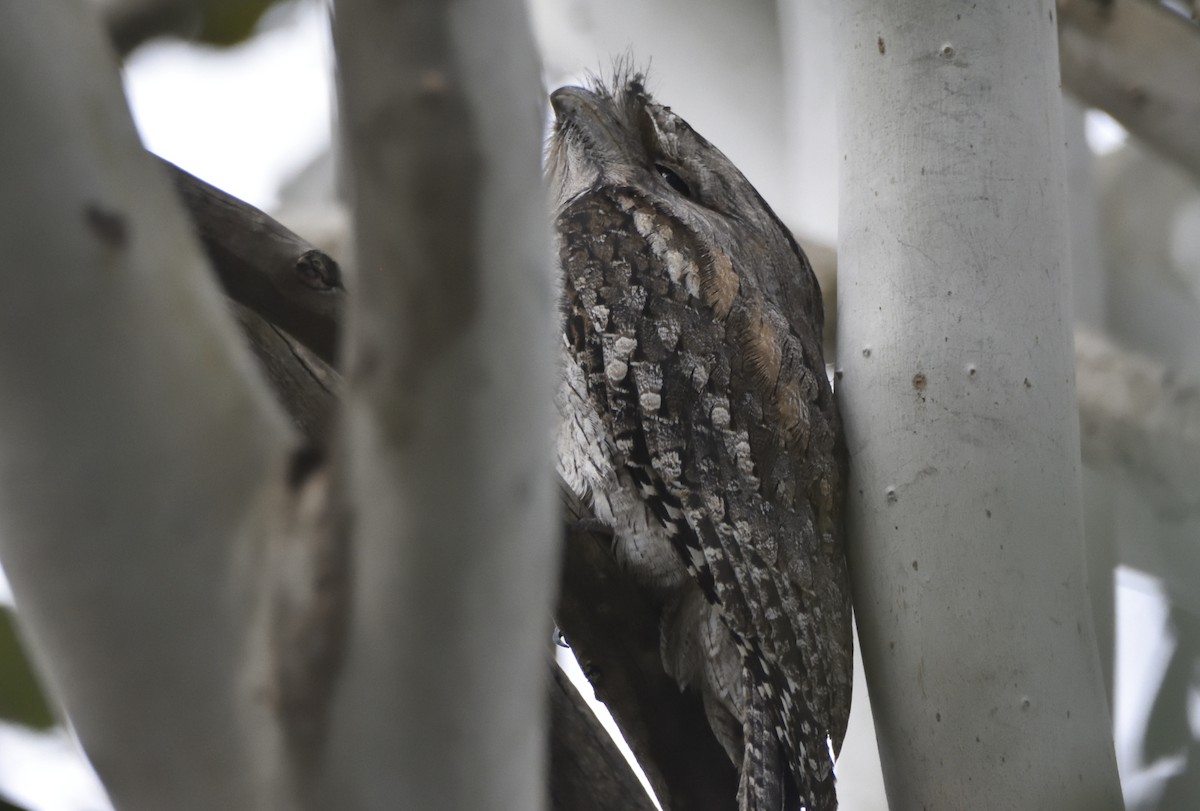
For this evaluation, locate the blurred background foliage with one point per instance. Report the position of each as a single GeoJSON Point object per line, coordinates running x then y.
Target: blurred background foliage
{"type": "Point", "coordinates": [211, 22]}
{"type": "Point", "coordinates": [21, 698]}
{"type": "Point", "coordinates": [226, 22]}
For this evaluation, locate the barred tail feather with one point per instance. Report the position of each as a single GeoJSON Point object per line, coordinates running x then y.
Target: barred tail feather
{"type": "Point", "coordinates": [769, 782]}
{"type": "Point", "coordinates": [762, 772]}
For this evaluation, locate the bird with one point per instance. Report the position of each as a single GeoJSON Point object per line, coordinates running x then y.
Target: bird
{"type": "Point", "coordinates": [699, 423]}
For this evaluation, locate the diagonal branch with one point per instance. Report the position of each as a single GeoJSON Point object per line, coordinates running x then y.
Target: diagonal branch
{"type": "Point", "coordinates": [265, 266]}
{"type": "Point", "coordinates": [306, 386]}
{"type": "Point", "coordinates": [1134, 413]}
{"type": "Point", "coordinates": [587, 772]}
{"type": "Point", "coordinates": [1138, 62]}
{"type": "Point", "coordinates": [139, 449]}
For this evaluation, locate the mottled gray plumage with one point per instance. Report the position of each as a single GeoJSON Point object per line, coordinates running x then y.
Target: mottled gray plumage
{"type": "Point", "coordinates": [699, 423]}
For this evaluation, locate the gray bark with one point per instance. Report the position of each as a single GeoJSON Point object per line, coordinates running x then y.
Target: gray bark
{"type": "Point", "coordinates": [266, 266]}
{"type": "Point", "coordinates": [587, 772]}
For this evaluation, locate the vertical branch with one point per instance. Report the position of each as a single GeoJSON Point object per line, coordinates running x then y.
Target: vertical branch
{"type": "Point", "coordinates": [447, 419]}
{"type": "Point", "coordinates": [136, 442]}
{"type": "Point", "coordinates": [955, 349]}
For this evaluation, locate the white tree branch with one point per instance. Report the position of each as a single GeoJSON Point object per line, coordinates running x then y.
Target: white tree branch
{"type": "Point", "coordinates": [136, 442]}
{"type": "Point", "coordinates": [447, 411]}
{"type": "Point", "coordinates": [1138, 62]}
{"type": "Point", "coordinates": [1134, 414]}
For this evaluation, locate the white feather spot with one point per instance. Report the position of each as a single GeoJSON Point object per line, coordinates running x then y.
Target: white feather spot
{"type": "Point", "coordinates": [669, 465]}
{"type": "Point", "coordinates": [643, 222]}
{"type": "Point", "coordinates": [744, 462]}
{"type": "Point", "coordinates": [676, 266]}
{"type": "Point", "coordinates": [616, 370]}
{"type": "Point", "coordinates": [668, 333]}
{"type": "Point", "coordinates": [650, 401]}
{"type": "Point", "coordinates": [691, 280]}
{"type": "Point", "coordinates": [623, 347]}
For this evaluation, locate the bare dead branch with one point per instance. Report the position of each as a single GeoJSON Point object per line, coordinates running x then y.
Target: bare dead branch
{"type": "Point", "coordinates": [306, 386]}
{"type": "Point", "coordinates": [587, 773]}
{"type": "Point", "coordinates": [1138, 62]}
{"type": "Point", "coordinates": [612, 626]}
{"type": "Point", "coordinates": [265, 266]}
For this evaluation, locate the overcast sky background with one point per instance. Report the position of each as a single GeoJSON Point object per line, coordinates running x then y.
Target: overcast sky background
{"type": "Point", "coordinates": [242, 118]}
{"type": "Point", "coordinates": [247, 118]}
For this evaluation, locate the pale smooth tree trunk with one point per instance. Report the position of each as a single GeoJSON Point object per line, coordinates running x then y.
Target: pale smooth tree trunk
{"type": "Point", "coordinates": [137, 443]}
{"type": "Point", "coordinates": [958, 397]}
{"type": "Point", "coordinates": [448, 412]}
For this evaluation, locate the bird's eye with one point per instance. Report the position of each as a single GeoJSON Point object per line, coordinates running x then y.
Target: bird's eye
{"type": "Point", "coordinates": [673, 180]}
